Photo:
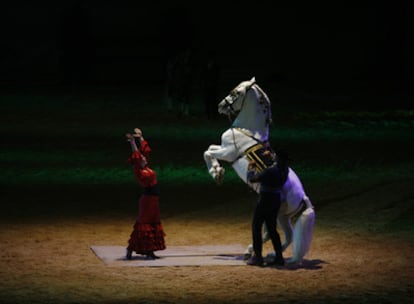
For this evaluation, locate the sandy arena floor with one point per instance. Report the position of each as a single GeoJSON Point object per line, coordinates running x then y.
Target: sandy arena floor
{"type": "Point", "coordinates": [49, 260]}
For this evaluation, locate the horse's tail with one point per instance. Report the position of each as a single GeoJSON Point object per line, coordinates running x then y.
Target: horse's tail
{"type": "Point", "coordinates": [303, 232]}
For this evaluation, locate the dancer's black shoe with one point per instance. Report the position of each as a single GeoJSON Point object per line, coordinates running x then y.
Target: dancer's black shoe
{"type": "Point", "coordinates": [151, 255]}
{"type": "Point", "coordinates": [129, 254]}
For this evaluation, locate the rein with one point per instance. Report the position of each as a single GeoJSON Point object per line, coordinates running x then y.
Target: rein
{"type": "Point", "coordinates": [252, 149]}
{"type": "Point", "coordinates": [248, 135]}
{"type": "Point", "coordinates": [263, 100]}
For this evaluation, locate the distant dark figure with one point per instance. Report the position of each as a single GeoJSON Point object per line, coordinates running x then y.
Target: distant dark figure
{"type": "Point", "coordinates": [170, 85]}
{"type": "Point", "coordinates": [210, 80]}
{"type": "Point", "coordinates": [183, 81]}
{"type": "Point", "coordinates": [177, 35]}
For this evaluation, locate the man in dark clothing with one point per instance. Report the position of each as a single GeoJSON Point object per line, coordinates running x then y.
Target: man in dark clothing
{"type": "Point", "coordinates": [271, 180]}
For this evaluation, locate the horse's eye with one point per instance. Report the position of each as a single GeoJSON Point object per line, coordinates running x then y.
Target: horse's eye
{"type": "Point", "coordinates": [229, 100]}
{"type": "Point", "coordinates": [234, 94]}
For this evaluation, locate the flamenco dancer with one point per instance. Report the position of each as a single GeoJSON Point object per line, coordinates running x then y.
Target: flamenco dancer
{"type": "Point", "coordinates": [148, 234]}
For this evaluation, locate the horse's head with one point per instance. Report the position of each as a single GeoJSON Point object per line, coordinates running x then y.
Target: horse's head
{"type": "Point", "coordinates": [240, 97]}
{"type": "Point", "coordinates": [233, 103]}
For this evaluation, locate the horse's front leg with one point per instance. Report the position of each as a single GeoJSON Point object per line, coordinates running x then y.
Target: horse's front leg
{"type": "Point", "coordinates": [213, 165]}
{"type": "Point", "coordinates": [211, 157]}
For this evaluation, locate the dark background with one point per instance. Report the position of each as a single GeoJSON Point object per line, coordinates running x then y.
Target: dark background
{"type": "Point", "coordinates": [314, 50]}
{"type": "Point", "coordinates": [75, 76]}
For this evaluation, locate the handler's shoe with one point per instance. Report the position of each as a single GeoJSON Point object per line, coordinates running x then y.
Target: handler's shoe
{"type": "Point", "coordinates": [278, 261]}
{"type": "Point", "coordinates": [255, 261]}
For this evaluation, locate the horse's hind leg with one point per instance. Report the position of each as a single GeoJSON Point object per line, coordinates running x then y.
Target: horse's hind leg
{"type": "Point", "coordinates": [286, 225]}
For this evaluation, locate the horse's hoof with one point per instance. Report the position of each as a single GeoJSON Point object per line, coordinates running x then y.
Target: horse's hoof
{"type": "Point", "coordinates": [291, 261]}
{"type": "Point", "coordinates": [220, 176]}
{"type": "Point", "coordinates": [247, 256]}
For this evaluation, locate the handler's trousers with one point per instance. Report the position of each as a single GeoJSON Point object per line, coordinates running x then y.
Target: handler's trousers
{"type": "Point", "coordinates": [266, 212]}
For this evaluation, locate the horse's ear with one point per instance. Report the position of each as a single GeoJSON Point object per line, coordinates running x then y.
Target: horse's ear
{"type": "Point", "coordinates": [253, 80]}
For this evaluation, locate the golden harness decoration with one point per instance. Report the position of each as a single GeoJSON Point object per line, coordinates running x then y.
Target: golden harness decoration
{"type": "Point", "coordinates": [255, 153]}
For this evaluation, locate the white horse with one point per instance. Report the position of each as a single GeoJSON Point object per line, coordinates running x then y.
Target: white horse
{"type": "Point", "coordinates": [249, 132]}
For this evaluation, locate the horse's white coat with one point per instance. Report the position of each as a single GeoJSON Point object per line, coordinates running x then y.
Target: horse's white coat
{"type": "Point", "coordinates": [252, 108]}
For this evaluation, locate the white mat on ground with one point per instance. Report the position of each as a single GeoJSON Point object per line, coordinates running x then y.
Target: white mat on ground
{"type": "Point", "coordinates": [175, 256]}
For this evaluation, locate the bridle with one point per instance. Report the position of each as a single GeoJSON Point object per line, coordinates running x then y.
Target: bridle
{"type": "Point", "coordinates": [263, 101]}
{"type": "Point", "coordinates": [229, 101]}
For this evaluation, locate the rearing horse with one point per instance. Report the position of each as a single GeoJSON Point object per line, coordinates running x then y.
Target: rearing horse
{"type": "Point", "coordinates": [249, 132]}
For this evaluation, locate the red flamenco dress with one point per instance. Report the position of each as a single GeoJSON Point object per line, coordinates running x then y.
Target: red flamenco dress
{"type": "Point", "coordinates": [148, 234]}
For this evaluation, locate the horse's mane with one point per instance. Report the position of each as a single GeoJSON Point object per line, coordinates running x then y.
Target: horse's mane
{"type": "Point", "coordinates": [265, 102]}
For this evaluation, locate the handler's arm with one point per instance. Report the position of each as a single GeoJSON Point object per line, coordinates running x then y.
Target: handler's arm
{"type": "Point", "coordinates": [253, 176]}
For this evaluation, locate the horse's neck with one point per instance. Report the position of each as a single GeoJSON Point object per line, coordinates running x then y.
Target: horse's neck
{"type": "Point", "coordinates": [254, 120]}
